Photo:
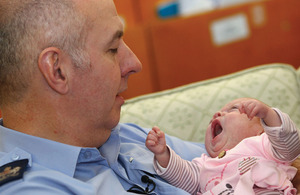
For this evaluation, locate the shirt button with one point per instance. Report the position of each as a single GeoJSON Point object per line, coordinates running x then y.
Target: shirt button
{"type": "Point", "coordinates": [15, 157]}
{"type": "Point", "coordinates": [130, 159]}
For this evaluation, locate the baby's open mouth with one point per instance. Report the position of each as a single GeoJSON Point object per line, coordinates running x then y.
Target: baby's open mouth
{"type": "Point", "coordinates": [216, 128]}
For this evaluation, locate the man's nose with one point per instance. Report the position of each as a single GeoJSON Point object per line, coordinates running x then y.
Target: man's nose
{"type": "Point", "coordinates": [129, 62]}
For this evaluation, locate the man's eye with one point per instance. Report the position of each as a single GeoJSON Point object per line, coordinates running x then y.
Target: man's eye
{"type": "Point", "coordinates": [113, 51]}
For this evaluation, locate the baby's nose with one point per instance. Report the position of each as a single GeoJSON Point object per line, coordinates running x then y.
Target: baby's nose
{"type": "Point", "coordinates": [217, 114]}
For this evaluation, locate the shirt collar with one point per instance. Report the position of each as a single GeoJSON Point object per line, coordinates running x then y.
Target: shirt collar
{"type": "Point", "coordinates": [49, 153]}
{"type": "Point", "coordinates": [111, 149]}
{"type": "Point", "coordinates": [48, 149]}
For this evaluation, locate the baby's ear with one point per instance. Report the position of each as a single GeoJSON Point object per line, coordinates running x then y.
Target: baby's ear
{"type": "Point", "coordinates": [260, 130]}
{"type": "Point", "coordinates": [259, 133]}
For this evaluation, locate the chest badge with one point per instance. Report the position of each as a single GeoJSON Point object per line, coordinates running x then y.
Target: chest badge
{"type": "Point", "coordinates": [12, 171]}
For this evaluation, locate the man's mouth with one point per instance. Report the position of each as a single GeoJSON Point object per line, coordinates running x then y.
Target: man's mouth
{"type": "Point", "coordinates": [216, 128]}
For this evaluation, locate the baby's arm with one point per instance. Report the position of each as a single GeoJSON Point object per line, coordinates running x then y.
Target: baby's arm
{"type": "Point", "coordinates": [156, 143]}
{"type": "Point", "coordinates": [180, 173]}
{"type": "Point", "coordinates": [253, 107]}
{"type": "Point", "coordinates": [281, 131]}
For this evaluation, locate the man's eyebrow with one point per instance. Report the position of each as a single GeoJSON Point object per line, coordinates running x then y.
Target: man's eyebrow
{"type": "Point", "coordinates": [118, 35]}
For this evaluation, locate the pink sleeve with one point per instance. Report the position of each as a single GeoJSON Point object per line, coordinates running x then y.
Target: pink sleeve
{"type": "Point", "coordinates": [181, 173]}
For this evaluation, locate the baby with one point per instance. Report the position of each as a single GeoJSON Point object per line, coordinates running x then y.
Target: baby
{"type": "Point", "coordinates": [251, 148]}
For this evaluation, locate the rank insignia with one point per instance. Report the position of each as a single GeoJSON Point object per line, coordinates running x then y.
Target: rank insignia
{"type": "Point", "coordinates": [12, 171]}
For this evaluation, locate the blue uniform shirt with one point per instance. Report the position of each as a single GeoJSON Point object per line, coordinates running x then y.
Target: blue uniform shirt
{"type": "Point", "coordinates": [56, 168]}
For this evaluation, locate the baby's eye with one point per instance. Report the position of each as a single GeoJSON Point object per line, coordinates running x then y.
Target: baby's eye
{"type": "Point", "coordinates": [233, 108]}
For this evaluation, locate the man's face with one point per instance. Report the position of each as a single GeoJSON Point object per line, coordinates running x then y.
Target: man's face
{"type": "Point", "coordinates": [227, 128]}
{"type": "Point", "coordinates": [111, 62]}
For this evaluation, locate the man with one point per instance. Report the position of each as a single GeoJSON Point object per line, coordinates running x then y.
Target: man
{"type": "Point", "coordinates": [63, 65]}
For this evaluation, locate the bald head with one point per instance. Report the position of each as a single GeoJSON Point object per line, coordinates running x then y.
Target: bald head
{"type": "Point", "coordinates": [27, 27]}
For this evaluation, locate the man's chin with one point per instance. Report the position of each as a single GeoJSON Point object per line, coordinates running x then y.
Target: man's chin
{"type": "Point", "coordinates": [115, 119]}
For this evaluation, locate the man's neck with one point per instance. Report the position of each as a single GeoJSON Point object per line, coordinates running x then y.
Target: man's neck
{"type": "Point", "coordinates": [54, 127]}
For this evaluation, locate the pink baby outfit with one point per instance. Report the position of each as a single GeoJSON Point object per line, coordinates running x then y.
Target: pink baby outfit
{"type": "Point", "coordinates": [256, 163]}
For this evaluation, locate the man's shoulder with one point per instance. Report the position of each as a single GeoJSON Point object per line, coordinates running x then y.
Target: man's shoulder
{"type": "Point", "coordinates": [13, 165]}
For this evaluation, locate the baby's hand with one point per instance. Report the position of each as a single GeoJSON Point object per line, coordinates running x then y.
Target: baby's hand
{"type": "Point", "coordinates": [156, 141]}
{"type": "Point", "coordinates": [253, 107]}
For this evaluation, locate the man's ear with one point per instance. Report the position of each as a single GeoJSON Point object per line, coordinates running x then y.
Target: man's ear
{"type": "Point", "coordinates": [53, 69]}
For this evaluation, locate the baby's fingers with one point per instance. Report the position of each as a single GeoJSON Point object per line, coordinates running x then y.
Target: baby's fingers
{"type": "Point", "coordinates": [152, 136]}
{"type": "Point", "coordinates": [248, 108]}
{"type": "Point", "coordinates": [241, 108]}
{"type": "Point", "coordinates": [151, 140]}
{"type": "Point", "coordinates": [150, 143]}
{"type": "Point", "coordinates": [159, 133]}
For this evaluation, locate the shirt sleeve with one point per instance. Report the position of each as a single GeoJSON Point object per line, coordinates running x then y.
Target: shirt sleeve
{"type": "Point", "coordinates": [180, 173]}
{"type": "Point", "coordinates": [285, 139]}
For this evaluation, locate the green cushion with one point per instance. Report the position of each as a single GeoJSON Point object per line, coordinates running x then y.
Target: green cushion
{"type": "Point", "coordinates": [186, 111]}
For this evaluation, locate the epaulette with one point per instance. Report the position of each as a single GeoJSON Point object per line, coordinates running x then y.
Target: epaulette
{"type": "Point", "coordinates": [12, 171]}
